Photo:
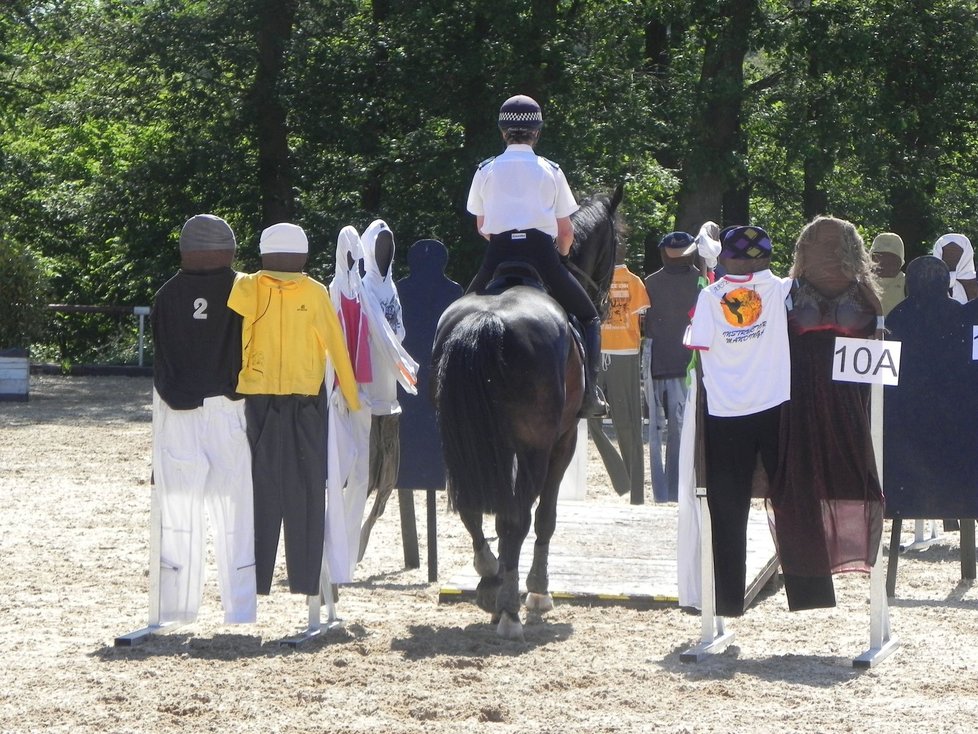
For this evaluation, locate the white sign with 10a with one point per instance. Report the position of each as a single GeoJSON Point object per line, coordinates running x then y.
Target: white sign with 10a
{"type": "Point", "coordinates": [866, 360]}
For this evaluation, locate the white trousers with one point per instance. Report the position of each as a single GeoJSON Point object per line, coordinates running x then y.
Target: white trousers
{"type": "Point", "coordinates": [202, 462]}
{"type": "Point", "coordinates": [346, 487]}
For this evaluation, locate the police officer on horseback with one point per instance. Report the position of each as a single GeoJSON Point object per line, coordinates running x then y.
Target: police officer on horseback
{"type": "Point", "coordinates": [522, 205]}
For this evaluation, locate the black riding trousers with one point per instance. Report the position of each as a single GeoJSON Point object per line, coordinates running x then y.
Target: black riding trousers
{"type": "Point", "coordinates": [536, 248]}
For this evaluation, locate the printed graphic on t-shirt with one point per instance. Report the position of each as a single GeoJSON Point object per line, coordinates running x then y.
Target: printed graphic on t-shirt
{"type": "Point", "coordinates": [741, 307]}
{"type": "Point", "coordinates": [391, 313]}
{"type": "Point", "coordinates": [619, 312]}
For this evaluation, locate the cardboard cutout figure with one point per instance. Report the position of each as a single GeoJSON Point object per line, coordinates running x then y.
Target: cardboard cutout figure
{"type": "Point", "coordinates": [826, 496]}
{"type": "Point", "coordinates": [739, 328]}
{"type": "Point", "coordinates": [929, 437]}
{"type": "Point", "coordinates": [376, 354]}
{"type": "Point", "coordinates": [672, 292]}
{"type": "Point", "coordinates": [620, 379]}
{"type": "Point", "coordinates": [201, 457]}
{"type": "Point", "coordinates": [290, 330]}
{"type": "Point", "coordinates": [349, 431]}
{"type": "Point", "coordinates": [385, 450]}
{"type": "Point", "coordinates": [959, 256]}
{"type": "Point", "coordinates": [424, 294]}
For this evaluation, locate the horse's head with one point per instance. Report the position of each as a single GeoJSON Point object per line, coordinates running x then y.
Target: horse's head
{"type": "Point", "coordinates": [592, 256]}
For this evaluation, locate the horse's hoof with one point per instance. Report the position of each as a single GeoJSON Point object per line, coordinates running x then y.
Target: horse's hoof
{"type": "Point", "coordinates": [486, 564]}
{"type": "Point", "coordinates": [539, 602]}
{"type": "Point", "coordinates": [510, 627]}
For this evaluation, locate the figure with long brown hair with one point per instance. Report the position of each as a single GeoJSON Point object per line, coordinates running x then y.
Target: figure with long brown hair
{"type": "Point", "coordinates": [826, 495]}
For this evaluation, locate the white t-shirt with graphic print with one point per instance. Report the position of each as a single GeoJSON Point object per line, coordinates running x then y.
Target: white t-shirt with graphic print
{"type": "Point", "coordinates": [740, 327]}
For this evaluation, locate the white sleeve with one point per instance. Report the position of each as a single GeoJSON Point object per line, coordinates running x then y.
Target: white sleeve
{"type": "Point", "coordinates": [701, 327]}
{"type": "Point", "coordinates": [565, 203]}
{"type": "Point", "coordinates": [786, 285]}
{"type": "Point", "coordinates": [475, 205]}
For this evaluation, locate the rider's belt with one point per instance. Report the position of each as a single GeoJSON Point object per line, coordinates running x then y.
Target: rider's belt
{"type": "Point", "coordinates": [518, 235]}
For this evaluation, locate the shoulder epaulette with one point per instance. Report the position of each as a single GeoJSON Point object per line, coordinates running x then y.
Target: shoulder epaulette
{"type": "Point", "coordinates": [553, 165]}
{"type": "Point", "coordinates": [488, 160]}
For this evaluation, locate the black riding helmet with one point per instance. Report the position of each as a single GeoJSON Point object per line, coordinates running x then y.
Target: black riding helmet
{"type": "Point", "coordinates": [520, 113]}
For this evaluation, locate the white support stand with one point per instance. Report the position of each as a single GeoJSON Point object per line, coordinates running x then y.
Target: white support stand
{"type": "Point", "coordinates": [881, 641]}
{"type": "Point", "coordinates": [142, 312]}
{"type": "Point", "coordinates": [316, 626]}
{"type": "Point", "coordinates": [154, 626]}
{"type": "Point", "coordinates": [921, 538]}
{"type": "Point", "coordinates": [573, 486]}
{"type": "Point", "coordinates": [713, 636]}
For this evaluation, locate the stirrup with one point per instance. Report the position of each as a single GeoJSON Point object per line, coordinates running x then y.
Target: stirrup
{"type": "Point", "coordinates": [593, 405]}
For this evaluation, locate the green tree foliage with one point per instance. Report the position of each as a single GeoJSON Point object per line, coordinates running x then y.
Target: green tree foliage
{"type": "Point", "coordinates": [24, 293]}
{"type": "Point", "coordinates": [122, 119]}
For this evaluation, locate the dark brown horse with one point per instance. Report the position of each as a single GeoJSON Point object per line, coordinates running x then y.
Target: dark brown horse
{"type": "Point", "coordinates": [508, 382]}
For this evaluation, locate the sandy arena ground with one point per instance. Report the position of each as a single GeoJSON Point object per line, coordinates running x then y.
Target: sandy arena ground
{"type": "Point", "coordinates": [74, 525]}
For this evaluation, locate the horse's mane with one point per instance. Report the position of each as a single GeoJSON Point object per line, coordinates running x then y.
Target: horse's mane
{"type": "Point", "coordinates": [592, 212]}
{"type": "Point", "coordinates": [596, 227]}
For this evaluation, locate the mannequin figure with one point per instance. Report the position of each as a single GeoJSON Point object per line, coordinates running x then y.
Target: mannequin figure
{"type": "Point", "coordinates": [290, 329]}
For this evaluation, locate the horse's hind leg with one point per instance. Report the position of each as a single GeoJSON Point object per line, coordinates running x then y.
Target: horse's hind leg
{"type": "Point", "coordinates": [483, 560]}
{"type": "Point", "coordinates": [538, 596]}
{"type": "Point", "coordinates": [512, 529]}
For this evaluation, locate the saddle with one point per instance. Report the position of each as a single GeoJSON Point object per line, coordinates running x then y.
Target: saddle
{"type": "Point", "coordinates": [517, 272]}
{"type": "Point", "coordinates": [513, 273]}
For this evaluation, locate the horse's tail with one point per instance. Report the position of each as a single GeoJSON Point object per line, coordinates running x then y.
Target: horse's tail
{"type": "Point", "coordinates": [469, 384]}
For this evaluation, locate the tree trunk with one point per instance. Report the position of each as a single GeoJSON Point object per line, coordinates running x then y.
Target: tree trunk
{"type": "Point", "coordinates": [274, 21]}
{"type": "Point", "coordinates": [819, 158]}
{"type": "Point", "coordinates": [815, 200]}
{"type": "Point", "coordinates": [912, 217]}
{"type": "Point", "coordinates": [714, 169]}
{"type": "Point", "coordinates": [542, 65]}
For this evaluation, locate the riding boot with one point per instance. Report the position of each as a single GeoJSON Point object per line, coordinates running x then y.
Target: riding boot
{"type": "Point", "coordinates": [593, 405]}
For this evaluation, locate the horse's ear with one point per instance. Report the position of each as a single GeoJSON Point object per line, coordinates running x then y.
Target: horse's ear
{"type": "Point", "coordinates": [617, 197]}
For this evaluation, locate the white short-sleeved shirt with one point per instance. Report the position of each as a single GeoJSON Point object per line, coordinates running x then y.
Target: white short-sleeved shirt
{"type": "Point", "coordinates": [740, 326]}
{"type": "Point", "coordinates": [520, 190]}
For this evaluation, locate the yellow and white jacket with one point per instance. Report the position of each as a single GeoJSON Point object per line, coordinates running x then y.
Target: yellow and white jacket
{"type": "Point", "coordinates": [290, 329]}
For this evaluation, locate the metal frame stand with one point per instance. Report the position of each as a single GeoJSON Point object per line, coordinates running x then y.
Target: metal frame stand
{"type": "Point", "coordinates": [881, 641]}
{"type": "Point", "coordinates": [921, 537]}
